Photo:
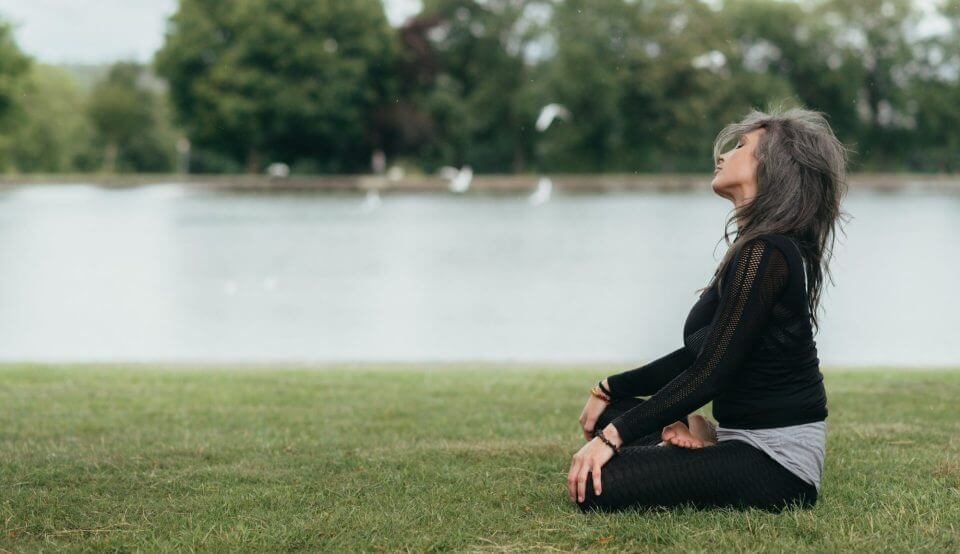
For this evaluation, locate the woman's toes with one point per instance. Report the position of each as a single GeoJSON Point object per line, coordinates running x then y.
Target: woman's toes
{"type": "Point", "coordinates": [685, 442]}
{"type": "Point", "coordinates": [672, 430]}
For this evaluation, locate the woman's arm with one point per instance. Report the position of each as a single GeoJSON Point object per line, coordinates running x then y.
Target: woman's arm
{"type": "Point", "coordinates": [759, 275]}
{"type": "Point", "coordinates": [648, 379]}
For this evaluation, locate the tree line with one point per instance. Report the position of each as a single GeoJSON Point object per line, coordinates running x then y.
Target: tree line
{"type": "Point", "coordinates": [646, 85]}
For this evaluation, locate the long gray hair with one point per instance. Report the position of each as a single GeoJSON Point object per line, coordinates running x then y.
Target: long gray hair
{"type": "Point", "coordinates": [801, 181]}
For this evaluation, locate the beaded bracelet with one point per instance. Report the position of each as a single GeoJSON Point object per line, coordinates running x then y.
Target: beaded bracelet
{"type": "Point", "coordinates": [599, 434]}
{"type": "Point", "coordinates": [596, 392]}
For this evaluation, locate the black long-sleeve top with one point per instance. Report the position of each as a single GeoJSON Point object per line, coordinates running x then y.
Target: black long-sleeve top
{"type": "Point", "coordinates": [748, 347]}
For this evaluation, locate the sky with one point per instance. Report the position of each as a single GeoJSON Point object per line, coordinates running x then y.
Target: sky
{"type": "Point", "coordinates": [104, 31]}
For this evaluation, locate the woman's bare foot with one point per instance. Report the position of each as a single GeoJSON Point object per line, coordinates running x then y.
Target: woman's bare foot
{"type": "Point", "coordinates": [699, 434]}
{"type": "Point", "coordinates": [678, 434]}
{"type": "Point", "coordinates": [703, 429]}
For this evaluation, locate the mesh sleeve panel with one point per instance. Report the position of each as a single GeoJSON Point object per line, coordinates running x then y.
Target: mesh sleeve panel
{"type": "Point", "coordinates": [648, 379]}
{"type": "Point", "coordinates": [759, 275]}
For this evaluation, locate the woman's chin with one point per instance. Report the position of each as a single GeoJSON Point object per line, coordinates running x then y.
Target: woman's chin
{"type": "Point", "coordinates": [719, 190]}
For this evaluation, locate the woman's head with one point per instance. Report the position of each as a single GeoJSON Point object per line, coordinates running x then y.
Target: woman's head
{"type": "Point", "coordinates": [735, 171]}
{"type": "Point", "coordinates": [786, 173]}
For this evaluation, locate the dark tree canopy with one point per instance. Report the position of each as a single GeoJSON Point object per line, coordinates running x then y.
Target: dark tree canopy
{"type": "Point", "coordinates": [324, 84]}
{"type": "Point", "coordinates": [295, 81]}
{"type": "Point", "coordinates": [14, 68]}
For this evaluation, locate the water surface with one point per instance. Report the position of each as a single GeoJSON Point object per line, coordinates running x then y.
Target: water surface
{"type": "Point", "coordinates": [168, 273]}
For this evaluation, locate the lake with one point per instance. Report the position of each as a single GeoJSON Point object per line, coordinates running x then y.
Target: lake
{"type": "Point", "coordinates": [174, 273]}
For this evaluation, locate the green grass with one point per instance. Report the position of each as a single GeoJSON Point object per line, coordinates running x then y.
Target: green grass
{"type": "Point", "coordinates": [396, 458]}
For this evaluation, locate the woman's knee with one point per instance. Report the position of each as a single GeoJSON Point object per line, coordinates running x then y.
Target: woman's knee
{"type": "Point", "coordinates": [592, 502]}
{"type": "Point", "coordinates": [616, 493]}
{"type": "Point", "coordinates": [807, 498]}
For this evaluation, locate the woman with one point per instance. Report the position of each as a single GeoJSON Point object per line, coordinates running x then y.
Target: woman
{"type": "Point", "coordinates": [748, 346]}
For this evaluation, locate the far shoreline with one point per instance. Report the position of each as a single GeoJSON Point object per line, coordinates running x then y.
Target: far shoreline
{"type": "Point", "coordinates": [662, 182]}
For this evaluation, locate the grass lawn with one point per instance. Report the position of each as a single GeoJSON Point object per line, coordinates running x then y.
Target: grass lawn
{"type": "Point", "coordinates": [373, 458]}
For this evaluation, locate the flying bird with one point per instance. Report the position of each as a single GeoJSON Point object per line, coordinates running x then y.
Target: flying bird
{"type": "Point", "coordinates": [549, 113]}
{"type": "Point", "coordinates": [371, 201]}
{"type": "Point", "coordinates": [459, 179]}
{"type": "Point", "coordinates": [542, 194]}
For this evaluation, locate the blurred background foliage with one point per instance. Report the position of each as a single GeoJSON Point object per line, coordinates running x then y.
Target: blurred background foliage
{"type": "Point", "coordinates": [322, 84]}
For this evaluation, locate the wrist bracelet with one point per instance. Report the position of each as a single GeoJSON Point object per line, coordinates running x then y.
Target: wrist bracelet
{"type": "Point", "coordinates": [599, 434]}
{"type": "Point", "coordinates": [596, 392]}
{"type": "Point", "coordinates": [605, 390]}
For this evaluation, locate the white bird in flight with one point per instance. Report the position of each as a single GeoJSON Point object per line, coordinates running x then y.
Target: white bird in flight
{"type": "Point", "coordinates": [542, 194]}
{"type": "Point", "coordinates": [395, 173]}
{"type": "Point", "coordinates": [371, 201]}
{"type": "Point", "coordinates": [460, 179]}
{"type": "Point", "coordinates": [279, 170]}
{"type": "Point", "coordinates": [549, 113]}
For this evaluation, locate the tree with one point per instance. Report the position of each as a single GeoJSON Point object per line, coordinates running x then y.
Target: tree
{"type": "Point", "coordinates": [280, 80]}
{"type": "Point", "coordinates": [648, 83]}
{"type": "Point", "coordinates": [933, 98]}
{"type": "Point", "coordinates": [467, 86]}
{"type": "Point", "coordinates": [53, 131]}
{"type": "Point", "coordinates": [129, 121]}
{"type": "Point", "coordinates": [14, 67]}
{"type": "Point", "coordinates": [873, 38]}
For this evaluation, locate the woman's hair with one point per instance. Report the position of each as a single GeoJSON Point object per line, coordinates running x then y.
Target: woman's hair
{"type": "Point", "coordinates": [801, 180]}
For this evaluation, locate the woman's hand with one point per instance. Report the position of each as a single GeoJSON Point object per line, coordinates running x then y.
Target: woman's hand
{"type": "Point", "coordinates": [588, 417]}
{"type": "Point", "coordinates": [588, 459]}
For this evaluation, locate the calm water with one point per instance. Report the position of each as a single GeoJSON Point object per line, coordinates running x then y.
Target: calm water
{"type": "Point", "coordinates": [168, 273]}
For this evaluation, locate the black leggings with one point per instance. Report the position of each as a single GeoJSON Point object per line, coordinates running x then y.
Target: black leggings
{"type": "Point", "coordinates": [728, 474]}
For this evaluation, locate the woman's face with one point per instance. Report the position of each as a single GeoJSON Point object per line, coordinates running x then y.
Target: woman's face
{"type": "Point", "coordinates": [735, 175]}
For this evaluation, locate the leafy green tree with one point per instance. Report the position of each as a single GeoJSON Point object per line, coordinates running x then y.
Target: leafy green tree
{"type": "Point", "coordinates": [129, 122]}
{"type": "Point", "coordinates": [54, 132]}
{"type": "Point", "coordinates": [654, 81]}
{"type": "Point", "coordinates": [873, 38]}
{"type": "Point", "coordinates": [933, 98]}
{"type": "Point", "coordinates": [297, 81]}
{"type": "Point", "coordinates": [14, 68]}
{"type": "Point", "coordinates": [467, 83]}
{"type": "Point", "coordinates": [648, 83]}
{"type": "Point", "coordinates": [795, 50]}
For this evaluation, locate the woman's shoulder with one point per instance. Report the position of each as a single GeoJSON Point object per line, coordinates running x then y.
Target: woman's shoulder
{"type": "Point", "coordinates": [767, 245]}
{"type": "Point", "coordinates": [784, 243]}
{"type": "Point", "coordinates": [783, 257]}
{"type": "Point", "coordinates": [777, 247]}
{"type": "Point", "coordinates": [786, 246]}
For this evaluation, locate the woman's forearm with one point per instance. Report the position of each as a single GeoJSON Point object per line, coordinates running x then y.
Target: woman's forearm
{"type": "Point", "coordinates": [648, 379]}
